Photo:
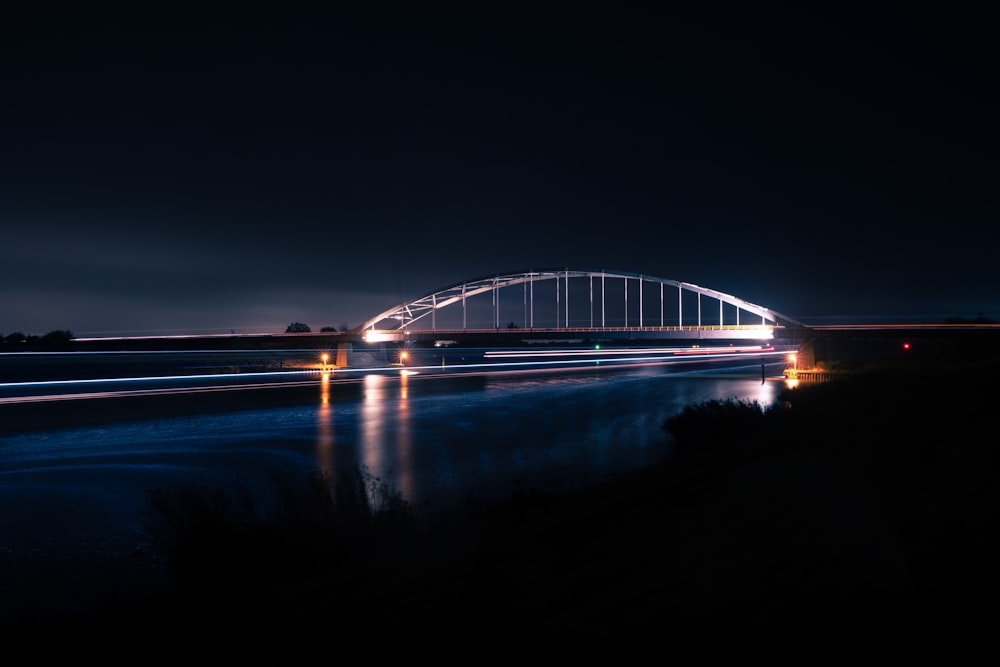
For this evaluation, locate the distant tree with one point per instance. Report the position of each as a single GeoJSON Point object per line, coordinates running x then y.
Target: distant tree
{"type": "Point", "coordinates": [15, 338]}
{"type": "Point", "coordinates": [979, 319]}
{"type": "Point", "coordinates": [343, 327]}
{"type": "Point", "coordinates": [56, 340]}
{"type": "Point", "coordinates": [298, 327]}
{"type": "Point", "coordinates": [328, 329]}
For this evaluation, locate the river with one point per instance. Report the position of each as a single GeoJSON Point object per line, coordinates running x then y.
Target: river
{"type": "Point", "coordinates": [76, 500]}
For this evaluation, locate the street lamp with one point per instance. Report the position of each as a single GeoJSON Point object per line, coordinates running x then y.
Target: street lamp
{"type": "Point", "coordinates": [325, 357]}
{"type": "Point", "coordinates": [794, 358]}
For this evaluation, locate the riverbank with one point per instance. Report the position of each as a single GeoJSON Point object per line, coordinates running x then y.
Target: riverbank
{"type": "Point", "coordinates": [853, 521]}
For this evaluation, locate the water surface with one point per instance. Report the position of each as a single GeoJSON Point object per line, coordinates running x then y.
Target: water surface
{"type": "Point", "coordinates": [81, 495]}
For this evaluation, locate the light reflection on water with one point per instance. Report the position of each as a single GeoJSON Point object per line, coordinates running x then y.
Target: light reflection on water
{"type": "Point", "coordinates": [324, 429]}
{"type": "Point", "coordinates": [386, 442]}
{"type": "Point", "coordinates": [437, 441]}
{"type": "Point", "coordinates": [426, 437]}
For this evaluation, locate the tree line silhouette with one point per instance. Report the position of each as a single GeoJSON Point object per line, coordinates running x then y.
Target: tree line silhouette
{"type": "Point", "coordinates": [53, 341]}
{"type": "Point", "coordinates": [61, 340]}
{"type": "Point", "coordinates": [299, 327]}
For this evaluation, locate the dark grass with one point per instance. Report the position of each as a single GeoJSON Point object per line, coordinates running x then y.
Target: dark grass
{"type": "Point", "coordinates": [852, 521]}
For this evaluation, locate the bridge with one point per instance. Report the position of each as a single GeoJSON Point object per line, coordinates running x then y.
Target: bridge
{"type": "Point", "coordinates": [579, 308]}
{"type": "Point", "coordinates": [573, 307]}
{"type": "Point", "coordinates": [573, 303]}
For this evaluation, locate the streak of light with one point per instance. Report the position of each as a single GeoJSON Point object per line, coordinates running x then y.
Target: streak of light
{"type": "Point", "coordinates": [657, 356]}
{"type": "Point", "coordinates": [613, 352]}
{"type": "Point", "coordinates": [152, 378]}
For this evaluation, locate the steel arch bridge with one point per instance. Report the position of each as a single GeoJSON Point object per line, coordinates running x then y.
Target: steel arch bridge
{"type": "Point", "coordinates": [572, 299]}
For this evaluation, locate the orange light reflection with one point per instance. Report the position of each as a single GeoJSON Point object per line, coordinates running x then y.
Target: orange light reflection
{"type": "Point", "coordinates": [324, 429]}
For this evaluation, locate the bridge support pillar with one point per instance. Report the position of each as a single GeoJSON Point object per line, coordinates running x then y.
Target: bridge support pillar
{"type": "Point", "coordinates": [342, 353]}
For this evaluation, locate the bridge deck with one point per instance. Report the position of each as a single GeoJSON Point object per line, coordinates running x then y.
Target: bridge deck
{"type": "Point", "coordinates": [514, 335]}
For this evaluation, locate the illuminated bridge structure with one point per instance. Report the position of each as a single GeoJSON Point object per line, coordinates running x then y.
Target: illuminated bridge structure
{"type": "Point", "coordinates": [571, 303]}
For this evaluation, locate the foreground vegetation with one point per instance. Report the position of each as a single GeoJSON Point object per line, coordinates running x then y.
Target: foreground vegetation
{"type": "Point", "coordinates": [851, 520]}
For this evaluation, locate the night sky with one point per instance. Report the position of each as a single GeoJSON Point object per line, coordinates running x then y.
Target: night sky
{"type": "Point", "coordinates": [175, 168]}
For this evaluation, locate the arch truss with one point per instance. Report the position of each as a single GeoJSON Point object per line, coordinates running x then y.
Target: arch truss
{"type": "Point", "coordinates": [573, 299]}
